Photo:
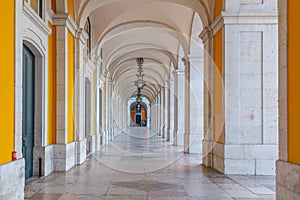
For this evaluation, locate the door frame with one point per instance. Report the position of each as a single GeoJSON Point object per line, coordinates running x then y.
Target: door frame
{"type": "Point", "coordinates": [25, 137]}
{"type": "Point", "coordinates": [40, 100]}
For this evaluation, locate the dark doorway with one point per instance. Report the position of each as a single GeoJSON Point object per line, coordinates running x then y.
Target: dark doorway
{"type": "Point", "coordinates": [28, 110]}
{"type": "Point", "coordinates": [138, 119]}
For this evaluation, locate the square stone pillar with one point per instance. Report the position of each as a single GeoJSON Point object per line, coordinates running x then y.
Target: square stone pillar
{"type": "Point", "coordinates": [80, 43]}
{"type": "Point", "coordinates": [175, 122]}
{"type": "Point", "coordinates": [168, 107]}
{"type": "Point", "coordinates": [251, 93]}
{"type": "Point", "coordinates": [64, 152]}
{"type": "Point", "coordinates": [187, 91]}
{"type": "Point", "coordinates": [197, 103]}
{"type": "Point", "coordinates": [159, 115]}
{"type": "Point", "coordinates": [207, 142]}
{"type": "Point", "coordinates": [104, 113]}
{"type": "Point", "coordinates": [162, 112]}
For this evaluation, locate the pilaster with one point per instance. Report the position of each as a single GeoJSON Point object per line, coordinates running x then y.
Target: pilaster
{"type": "Point", "coordinates": [175, 131]}
{"type": "Point", "coordinates": [168, 113]}
{"type": "Point", "coordinates": [187, 105]}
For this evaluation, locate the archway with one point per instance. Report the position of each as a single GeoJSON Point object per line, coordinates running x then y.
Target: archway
{"type": "Point", "coordinates": [138, 114]}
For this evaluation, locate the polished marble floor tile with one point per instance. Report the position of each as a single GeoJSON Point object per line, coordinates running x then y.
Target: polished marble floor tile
{"type": "Point", "coordinates": [140, 165]}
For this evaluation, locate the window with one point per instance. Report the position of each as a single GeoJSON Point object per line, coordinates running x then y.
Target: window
{"type": "Point", "coordinates": [37, 5]}
{"type": "Point", "coordinates": [87, 29]}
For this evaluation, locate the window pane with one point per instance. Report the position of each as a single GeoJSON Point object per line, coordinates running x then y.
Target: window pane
{"type": "Point", "coordinates": [34, 5]}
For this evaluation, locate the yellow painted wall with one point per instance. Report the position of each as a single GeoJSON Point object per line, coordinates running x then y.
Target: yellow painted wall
{"type": "Point", "coordinates": [218, 87]}
{"type": "Point", "coordinates": [70, 87]}
{"type": "Point", "coordinates": [52, 85]}
{"type": "Point", "coordinates": [218, 8]}
{"type": "Point", "coordinates": [71, 8]}
{"type": "Point", "coordinates": [143, 114]}
{"type": "Point", "coordinates": [293, 81]}
{"type": "Point", "coordinates": [7, 80]}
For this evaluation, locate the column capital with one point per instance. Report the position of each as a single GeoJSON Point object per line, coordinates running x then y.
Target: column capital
{"type": "Point", "coordinates": [82, 35]}
{"type": "Point", "coordinates": [174, 72]}
{"type": "Point", "coordinates": [206, 33]}
{"type": "Point", "coordinates": [185, 60]}
{"type": "Point", "coordinates": [108, 80]}
{"type": "Point", "coordinates": [64, 19]}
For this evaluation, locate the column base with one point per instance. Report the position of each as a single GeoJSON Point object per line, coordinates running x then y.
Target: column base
{"type": "Point", "coordinates": [248, 159]}
{"type": "Point", "coordinates": [98, 142]}
{"type": "Point", "coordinates": [80, 151]}
{"type": "Point", "coordinates": [287, 180]}
{"type": "Point", "coordinates": [175, 140]}
{"type": "Point", "coordinates": [46, 154]}
{"type": "Point", "coordinates": [64, 157]}
{"type": "Point", "coordinates": [207, 153]}
{"type": "Point", "coordinates": [186, 143]}
{"type": "Point", "coordinates": [12, 179]}
{"type": "Point", "coordinates": [104, 138]}
{"type": "Point", "coordinates": [91, 144]}
{"type": "Point", "coordinates": [168, 135]}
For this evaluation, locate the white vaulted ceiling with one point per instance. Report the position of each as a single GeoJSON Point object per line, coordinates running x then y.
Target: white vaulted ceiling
{"type": "Point", "coordinates": [153, 29]}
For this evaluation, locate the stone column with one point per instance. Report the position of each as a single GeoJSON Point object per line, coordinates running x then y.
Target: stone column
{"type": "Point", "coordinates": [163, 121]}
{"type": "Point", "coordinates": [159, 114]}
{"type": "Point", "coordinates": [112, 104]}
{"type": "Point", "coordinates": [80, 43]}
{"type": "Point", "coordinates": [207, 143]}
{"type": "Point", "coordinates": [97, 106]}
{"type": "Point", "coordinates": [108, 113]}
{"type": "Point", "coordinates": [181, 107]}
{"type": "Point", "coordinates": [196, 102]}
{"type": "Point", "coordinates": [64, 152]}
{"type": "Point", "coordinates": [175, 131]}
{"type": "Point", "coordinates": [250, 76]}
{"type": "Point", "coordinates": [172, 109]}
{"type": "Point", "coordinates": [187, 105]}
{"type": "Point", "coordinates": [168, 113]}
{"type": "Point", "coordinates": [104, 114]}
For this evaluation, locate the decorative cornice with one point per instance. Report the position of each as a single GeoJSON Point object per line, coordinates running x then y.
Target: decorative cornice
{"type": "Point", "coordinates": [241, 18]}
{"type": "Point", "coordinates": [245, 18]}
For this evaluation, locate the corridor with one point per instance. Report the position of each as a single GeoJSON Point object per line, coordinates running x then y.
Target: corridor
{"type": "Point", "coordinates": [139, 164]}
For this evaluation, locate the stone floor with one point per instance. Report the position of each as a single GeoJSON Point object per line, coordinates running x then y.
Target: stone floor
{"type": "Point", "coordinates": [141, 165]}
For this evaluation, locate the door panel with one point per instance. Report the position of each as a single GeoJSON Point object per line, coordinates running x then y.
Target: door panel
{"type": "Point", "coordinates": [28, 110]}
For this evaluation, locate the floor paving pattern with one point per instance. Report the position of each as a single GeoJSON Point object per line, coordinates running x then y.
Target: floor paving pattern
{"type": "Point", "coordinates": [141, 165]}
